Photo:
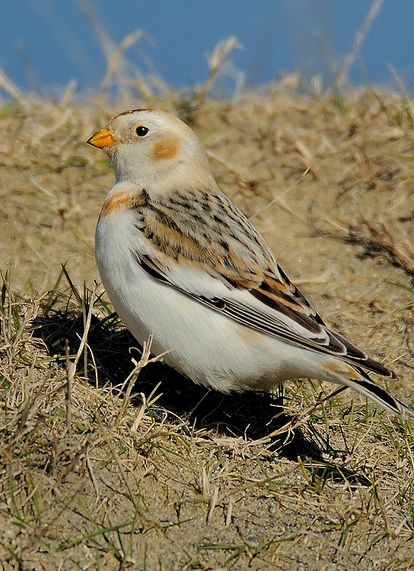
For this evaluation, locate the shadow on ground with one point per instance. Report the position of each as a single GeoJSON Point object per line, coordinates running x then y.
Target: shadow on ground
{"type": "Point", "coordinates": [250, 415]}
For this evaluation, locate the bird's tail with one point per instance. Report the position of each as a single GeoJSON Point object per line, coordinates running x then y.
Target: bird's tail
{"type": "Point", "coordinates": [357, 379]}
{"type": "Point", "coordinates": [364, 385]}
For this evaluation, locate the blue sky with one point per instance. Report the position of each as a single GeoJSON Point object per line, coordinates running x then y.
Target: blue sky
{"type": "Point", "coordinates": [46, 43]}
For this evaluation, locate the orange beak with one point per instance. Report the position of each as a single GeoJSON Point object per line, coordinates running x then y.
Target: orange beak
{"type": "Point", "coordinates": [102, 139]}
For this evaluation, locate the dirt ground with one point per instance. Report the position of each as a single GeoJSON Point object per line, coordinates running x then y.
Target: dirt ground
{"type": "Point", "coordinates": [105, 465]}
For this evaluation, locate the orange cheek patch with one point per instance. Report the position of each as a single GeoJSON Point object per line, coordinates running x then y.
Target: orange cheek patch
{"type": "Point", "coordinates": [165, 149]}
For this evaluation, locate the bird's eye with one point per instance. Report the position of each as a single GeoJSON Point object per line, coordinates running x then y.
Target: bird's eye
{"type": "Point", "coordinates": [141, 131]}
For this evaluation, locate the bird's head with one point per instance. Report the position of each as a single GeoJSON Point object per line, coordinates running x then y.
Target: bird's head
{"type": "Point", "coordinates": [151, 148]}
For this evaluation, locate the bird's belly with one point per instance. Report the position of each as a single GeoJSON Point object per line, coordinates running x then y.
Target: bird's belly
{"type": "Point", "coordinates": [199, 342]}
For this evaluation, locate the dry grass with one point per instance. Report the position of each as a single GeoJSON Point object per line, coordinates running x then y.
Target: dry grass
{"type": "Point", "coordinates": [105, 465]}
{"type": "Point", "coordinates": [377, 240]}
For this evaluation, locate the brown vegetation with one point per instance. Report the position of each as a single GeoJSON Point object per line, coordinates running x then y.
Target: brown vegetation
{"type": "Point", "coordinates": [109, 465]}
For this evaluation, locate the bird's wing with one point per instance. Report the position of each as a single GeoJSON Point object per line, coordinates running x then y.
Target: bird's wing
{"type": "Point", "coordinates": [201, 245]}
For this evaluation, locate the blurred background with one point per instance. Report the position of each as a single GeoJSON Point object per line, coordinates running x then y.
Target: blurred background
{"type": "Point", "coordinates": [44, 44]}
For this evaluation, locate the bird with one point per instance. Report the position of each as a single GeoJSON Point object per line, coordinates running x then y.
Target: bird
{"type": "Point", "coordinates": [182, 265]}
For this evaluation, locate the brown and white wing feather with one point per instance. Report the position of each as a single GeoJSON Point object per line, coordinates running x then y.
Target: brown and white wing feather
{"type": "Point", "coordinates": [204, 247]}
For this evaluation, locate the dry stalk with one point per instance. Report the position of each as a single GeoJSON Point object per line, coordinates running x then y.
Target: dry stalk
{"type": "Point", "coordinates": [71, 371]}
{"type": "Point", "coordinates": [213, 503]}
{"type": "Point", "coordinates": [114, 60]}
{"type": "Point", "coordinates": [7, 85]}
{"type": "Point", "coordinates": [71, 366]}
{"type": "Point", "coordinates": [278, 199]}
{"type": "Point", "coordinates": [297, 421]}
{"type": "Point", "coordinates": [377, 240]}
{"type": "Point", "coordinates": [307, 158]}
{"type": "Point", "coordinates": [342, 74]}
{"type": "Point", "coordinates": [216, 63]}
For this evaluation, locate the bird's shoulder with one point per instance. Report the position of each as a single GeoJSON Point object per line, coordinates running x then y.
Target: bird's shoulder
{"type": "Point", "coordinates": [123, 197]}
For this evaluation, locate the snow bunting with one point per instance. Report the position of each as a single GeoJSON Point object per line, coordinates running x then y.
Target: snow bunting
{"type": "Point", "coordinates": [181, 263]}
